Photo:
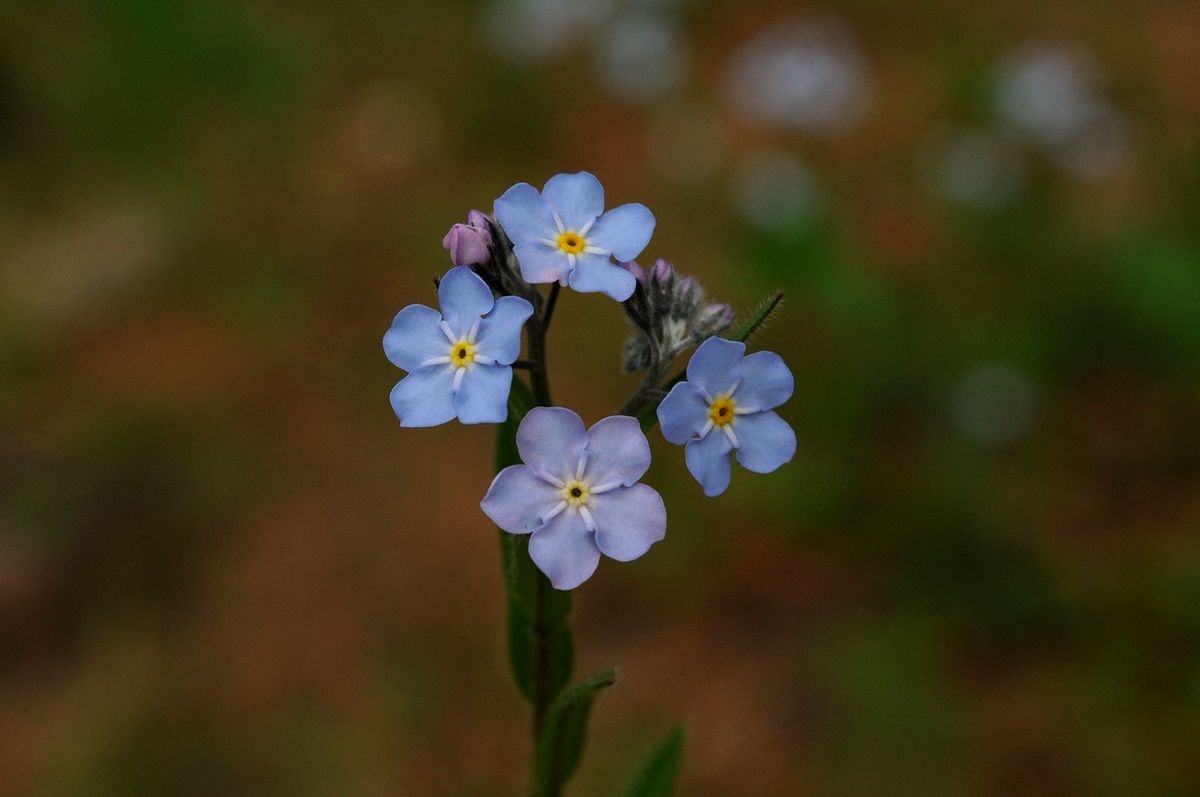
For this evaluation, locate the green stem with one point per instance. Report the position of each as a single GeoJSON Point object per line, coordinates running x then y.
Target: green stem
{"type": "Point", "coordinates": [551, 301]}
{"type": "Point", "coordinates": [539, 380]}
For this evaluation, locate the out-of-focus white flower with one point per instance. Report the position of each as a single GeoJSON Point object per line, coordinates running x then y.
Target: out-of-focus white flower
{"type": "Point", "coordinates": [641, 57]}
{"type": "Point", "coordinates": [980, 169]}
{"type": "Point", "coordinates": [994, 403]}
{"type": "Point", "coordinates": [1052, 96]}
{"type": "Point", "coordinates": [802, 75]}
{"type": "Point", "coordinates": [776, 192]}
{"type": "Point", "coordinates": [1048, 93]}
{"type": "Point", "coordinates": [532, 30]}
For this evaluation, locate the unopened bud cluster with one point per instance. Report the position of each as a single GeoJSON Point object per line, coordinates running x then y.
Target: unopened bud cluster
{"type": "Point", "coordinates": [670, 314]}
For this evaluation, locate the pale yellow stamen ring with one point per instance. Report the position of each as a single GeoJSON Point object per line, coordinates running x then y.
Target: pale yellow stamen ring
{"type": "Point", "coordinates": [576, 493]}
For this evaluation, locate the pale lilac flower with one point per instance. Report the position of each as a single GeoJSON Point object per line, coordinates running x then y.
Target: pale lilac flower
{"type": "Point", "coordinates": [469, 244]}
{"type": "Point", "coordinates": [563, 234]}
{"type": "Point", "coordinates": [459, 360]}
{"type": "Point", "coordinates": [725, 406]}
{"type": "Point", "coordinates": [578, 494]}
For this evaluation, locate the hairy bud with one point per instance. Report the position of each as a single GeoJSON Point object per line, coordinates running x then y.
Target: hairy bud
{"type": "Point", "coordinates": [670, 315]}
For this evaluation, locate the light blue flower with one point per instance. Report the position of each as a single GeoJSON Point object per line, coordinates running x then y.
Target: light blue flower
{"type": "Point", "coordinates": [725, 405]}
{"type": "Point", "coordinates": [564, 235]}
{"type": "Point", "coordinates": [459, 360]}
{"type": "Point", "coordinates": [578, 494]}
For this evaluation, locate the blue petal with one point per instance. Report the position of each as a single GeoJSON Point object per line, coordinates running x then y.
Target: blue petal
{"type": "Point", "coordinates": [618, 452]}
{"type": "Point", "coordinates": [714, 366]}
{"type": "Point", "coordinates": [565, 550]}
{"type": "Point", "coordinates": [576, 198]}
{"type": "Point", "coordinates": [598, 274]}
{"type": "Point", "coordinates": [524, 215]}
{"type": "Point", "coordinates": [415, 337]}
{"type": "Point", "coordinates": [709, 461]}
{"type": "Point", "coordinates": [683, 413]}
{"type": "Point", "coordinates": [464, 297]}
{"type": "Point", "coordinates": [766, 382]}
{"type": "Point", "coordinates": [624, 231]}
{"type": "Point", "coordinates": [500, 331]}
{"type": "Point", "coordinates": [483, 395]}
{"type": "Point", "coordinates": [628, 521]}
{"type": "Point", "coordinates": [518, 499]}
{"type": "Point", "coordinates": [541, 263]}
{"type": "Point", "coordinates": [424, 397]}
{"type": "Point", "coordinates": [765, 441]}
{"type": "Point", "coordinates": [552, 441]}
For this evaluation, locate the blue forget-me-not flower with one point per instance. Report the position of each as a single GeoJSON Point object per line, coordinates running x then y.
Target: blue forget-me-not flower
{"type": "Point", "coordinates": [578, 494]}
{"type": "Point", "coordinates": [459, 360]}
{"type": "Point", "coordinates": [725, 406]}
{"type": "Point", "coordinates": [563, 234]}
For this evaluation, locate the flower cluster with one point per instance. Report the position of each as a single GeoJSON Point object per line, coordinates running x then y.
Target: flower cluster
{"type": "Point", "coordinates": [577, 493]}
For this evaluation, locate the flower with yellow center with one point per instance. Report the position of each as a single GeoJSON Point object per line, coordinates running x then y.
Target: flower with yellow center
{"type": "Point", "coordinates": [571, 243]}
{"type": "Point", "coordinates": [722, 411]}
{"type": "Point", "coordinates": [577, 493]}
{"type": "Point", "coordinates": [563, 234]}
{"type": "Point", "coordinates": [459, 360]}
{"type": "Point", "coordinates": [463, 354]}
{"type": "Point", "coordinates": [724, 408]}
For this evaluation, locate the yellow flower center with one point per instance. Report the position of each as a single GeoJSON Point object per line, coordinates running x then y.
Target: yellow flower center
{"type": "Point", "coordinates": [462, 353]}
{"type": "Point", "coordinates": [721, 411]}
{"type": "Point", "coordinates": [571, 242]}
{"type": "Point", "coordinates": [575, 493]}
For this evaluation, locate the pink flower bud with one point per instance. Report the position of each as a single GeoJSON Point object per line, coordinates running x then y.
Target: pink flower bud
{"type": "Point", "coordinates": [469, 244]}
{"type": "Point", "coordinates": [479, 220]}
{"type": "Point", "coordinates": [662, 270]}
{"type": "Point", "coordinates": [722, 313]}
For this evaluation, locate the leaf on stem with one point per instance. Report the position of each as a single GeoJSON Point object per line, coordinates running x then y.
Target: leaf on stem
{"type": "Point", "coordinates": [763, 313]}
{"type": "Point", "coordinates": [564, 734]}
{"type": "Point", "coordinates": [658, 775]}
{"type": "Point", "coordinates": [539, 639]}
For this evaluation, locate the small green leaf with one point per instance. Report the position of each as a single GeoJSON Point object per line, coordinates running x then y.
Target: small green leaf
{"type": "Point", "coordinates": [760, 316]}
{"type": "Point", "coordinates": [520, 399]}
{"type": "Point", "coordinates": [564, 733]}
{"type": "Point", "coordinates": [658, 775]}
{"type": "Point", "coordinates": [647, 414]}
{"type": "Point", "coordinates": [537, 618]}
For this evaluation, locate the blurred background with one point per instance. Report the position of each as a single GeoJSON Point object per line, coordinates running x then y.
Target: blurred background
{"type": "Point", "coordinates": [225, 569]}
